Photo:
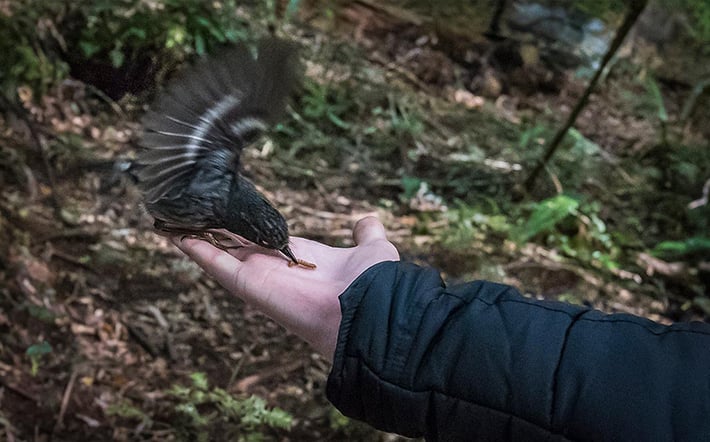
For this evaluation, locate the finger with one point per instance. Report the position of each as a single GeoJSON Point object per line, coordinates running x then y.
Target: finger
{"type": "Point", "coordinates": [218, 263]}
{"type": "Point", "coordinates": [190, 246]}
{"type": "Point", "coordinates": [368, 229]}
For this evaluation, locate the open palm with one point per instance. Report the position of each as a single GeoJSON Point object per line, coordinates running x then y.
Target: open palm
{"type": "Point", "coordinates": [305, 301]}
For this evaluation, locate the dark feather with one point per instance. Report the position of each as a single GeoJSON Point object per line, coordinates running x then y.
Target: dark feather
{"type": "Point", "coordinates": [193, 138]}
{"type": "Point", "coordinates": [212, 111]}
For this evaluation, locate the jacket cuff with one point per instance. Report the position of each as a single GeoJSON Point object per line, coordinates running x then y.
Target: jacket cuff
{"type": "Point", "coordinates": [376, 332]}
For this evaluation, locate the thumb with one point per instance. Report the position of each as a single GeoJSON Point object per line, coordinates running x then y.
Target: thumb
{"type": "Point", "coordinates": [367, 230]}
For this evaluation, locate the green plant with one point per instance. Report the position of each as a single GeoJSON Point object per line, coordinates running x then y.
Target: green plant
{"type": "Point", "coordinates": [246, 417]}
{"type": "Point", "coordinates": [321, 101]}
{"type": "Point", "coordinates": [404, 118]}
{"type": "Point", "coordinates": [115, 33]}
{"type": "Point", "coordinates": [35, 353]}
{"type": "Point", "coordinates": [699, 14]}
{"type": "Point", "coordinates": [354, 430]}
{"type": "Point", "coordinates": [410, 186]}
{"type": "Point", "coordinates": [657, 99]}
{"type": "Point", "coordinates": [121, 29]}
{"type": "Point", "coordinates": [468, 224]}
{"type": "Point", "coordinates": [697, 245]}
{"type": "Point", "coordinates": [546, 215]}
{"type": "Point", "coordinates": [574, 227]}
{"type": "Point", "coordinates": [127, 410]}
{"type": "Point", "coordinates": [26, 60]}
{"type": "Point", "coordinates": [532, 135]}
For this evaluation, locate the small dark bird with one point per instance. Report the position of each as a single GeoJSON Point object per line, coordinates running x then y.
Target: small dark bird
{"type": "Point", "coordinates": [194, 133]}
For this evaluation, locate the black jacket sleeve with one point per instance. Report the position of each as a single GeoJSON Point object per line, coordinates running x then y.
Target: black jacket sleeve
{"type": "Point", "coordinates": [479, 361]}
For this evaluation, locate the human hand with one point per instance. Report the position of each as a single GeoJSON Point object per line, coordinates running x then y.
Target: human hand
{"type": "Point", "coordinates": [304, 301]}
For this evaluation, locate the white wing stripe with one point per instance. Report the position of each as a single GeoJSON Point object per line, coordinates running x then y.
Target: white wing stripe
{"type": "Point", "coordinates": [245, 124]}
{"type": "Point", "coordinates": [179, 135]}
{"type": "Point", "coordinates": [213, 114]}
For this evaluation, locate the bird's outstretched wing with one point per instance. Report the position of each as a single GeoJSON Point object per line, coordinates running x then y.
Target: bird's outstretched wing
{"type": "Point", "coordinates": [212, 110]}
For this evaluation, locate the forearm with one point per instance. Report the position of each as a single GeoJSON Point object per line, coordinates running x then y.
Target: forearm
{"type": "Point", "coordinates": [481, 361]}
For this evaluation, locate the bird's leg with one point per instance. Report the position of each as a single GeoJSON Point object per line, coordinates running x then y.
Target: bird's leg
{"type": "Point", "coordinates": [221, 239]}
{"type": "Point", "coordinates": [205, 235]}
{"type": "Point", "coordinates": [162, 227]}
{"type": "Point", "coordinates": [224, 240]}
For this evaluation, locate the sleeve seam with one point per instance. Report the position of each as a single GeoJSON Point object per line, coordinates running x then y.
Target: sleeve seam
{"type": "Point", "coordinates": [577, 315]}
{"type": "Point", "coordinates": [555, 376]}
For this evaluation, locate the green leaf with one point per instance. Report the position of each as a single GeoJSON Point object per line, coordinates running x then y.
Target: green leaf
{"type": "Point", "coordinates": [677, 249]}
{"type": "Point", "coordinates": [655, 92]}
{"type": "Point", "coordinates": [135, 32]}
{"type": "Point", "coordinates": [37, 350]}
{"type": "Point", "coordinates": [89, 48]}
{"type": "Point", "coordinates": [42, 313]}
{"type": "Point", "coordinates": [337, 121]}
{"type": "Point", "coordinates": [199, 380]}
{"type": "Point", "coordinates": [410, 186]}
{"type": "Point", "coordinates": [546, 216]}
{"type": "Point", "coordinates": [583, 144]}
{"type": "Point", "coordinates": [175, 36]}
{"type": "Point", "coordinates": [117, 57]}
{"type": "Point", "coordinates": [200, 44]}
{"type": "Point", "coordinates": [204, 22]}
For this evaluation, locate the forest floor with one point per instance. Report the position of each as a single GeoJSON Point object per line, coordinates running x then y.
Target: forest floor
{"type": "Point", "coordinates": [126, 317]}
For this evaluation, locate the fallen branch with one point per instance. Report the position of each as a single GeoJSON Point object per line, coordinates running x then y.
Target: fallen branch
{"type": "Point", "coordinates": [65, 401]}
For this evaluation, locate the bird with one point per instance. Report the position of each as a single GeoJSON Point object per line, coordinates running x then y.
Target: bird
{"type": "Point", "coordinates": [189, 168]}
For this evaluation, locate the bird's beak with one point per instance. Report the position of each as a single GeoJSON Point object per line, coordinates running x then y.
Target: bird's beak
{"type": "Point", "coordinates": [289, 254]}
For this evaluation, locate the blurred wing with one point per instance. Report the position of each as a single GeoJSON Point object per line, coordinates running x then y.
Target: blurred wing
{"type": "Point", "coordinates": [211, 111]}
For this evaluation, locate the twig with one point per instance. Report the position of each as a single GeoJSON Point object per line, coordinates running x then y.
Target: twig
{"type": "Point", "coordinates": [65, 401]}
{"type": "Point", "coordinates": [635, 9]}
{"type": "Point", "coordinates": [653, 265]}
{"type": "Point", "coordinates": [158, 315]}
{"type": "Point", "coordinates": [167, 336]}
{"type": "Point", "coordinates": [114, 106]}
{"type": "Point", "coordinates": [402, 71]}
{"type": "Point", "coordinates": [702, 200]}
{"type": "Point", "coordinates": [555, 181]}
{"type": "Point", "coordinates": [18, 391]}
{"type": "Point", "coordinates": [246, 383]}
{"type": "Point", "coordinates": [493, 31]}
{"type": "Point", "coordinates": [235, 372]}
{"type": "Point", "coordinates": [41, 143]}
{"type": "Point", "coordinates": [71, 260]}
